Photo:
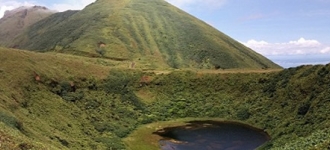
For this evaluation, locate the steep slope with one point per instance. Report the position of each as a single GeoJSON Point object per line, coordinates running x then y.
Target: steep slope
{"type": "Point", "coordinates": [150, 32]}
{"type": "Point", "coordinates": [24, 123]}
{"type": "Point", "coordinates": [15, 21]}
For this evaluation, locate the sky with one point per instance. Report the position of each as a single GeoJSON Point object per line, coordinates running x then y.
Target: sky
{"type": "Point", "coordinates": [288, 32]}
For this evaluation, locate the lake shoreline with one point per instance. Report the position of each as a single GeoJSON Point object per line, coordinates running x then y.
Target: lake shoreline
{"type": "Point", "coordinates": [144, 137]}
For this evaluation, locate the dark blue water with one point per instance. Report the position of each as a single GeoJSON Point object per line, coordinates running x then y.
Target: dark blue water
{"type": "Point", "coordinates": [212, 135]}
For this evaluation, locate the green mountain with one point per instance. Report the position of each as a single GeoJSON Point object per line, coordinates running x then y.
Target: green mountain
{"type": "Point", "coordinates": [150, 33]}
{"type": "Point", "coordinates": [65, 102]}
{"type": "Point", "coordinates": [14, 22]}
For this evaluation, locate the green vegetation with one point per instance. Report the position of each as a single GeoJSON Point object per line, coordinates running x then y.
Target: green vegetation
{"type": "Point", "coordinates": [128, 79]}
{"type": "Point", "coordinates": [80, 103]}
{"type": "Point", "coordinates": [152, 33]}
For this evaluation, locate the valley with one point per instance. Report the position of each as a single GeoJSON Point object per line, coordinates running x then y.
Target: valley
{"type": "Point", "coordinates": [80, 104]}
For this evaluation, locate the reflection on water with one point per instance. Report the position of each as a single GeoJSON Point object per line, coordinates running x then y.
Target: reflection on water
{"type": "Point", "coordinates": [212, 135]}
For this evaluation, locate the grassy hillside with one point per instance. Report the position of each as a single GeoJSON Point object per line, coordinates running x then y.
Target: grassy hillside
{"type": "Point", "coordinates": [16, 21]}
{"type": "Point", "coordinates": [57, 101]}
{"type": "Point", "coordinates": [149, 32]}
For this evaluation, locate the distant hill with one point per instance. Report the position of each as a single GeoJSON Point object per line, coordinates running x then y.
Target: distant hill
{"type": "Point", "coordinates": [149, 32]}
{"type": "Point", "coordinates": [15, 21]}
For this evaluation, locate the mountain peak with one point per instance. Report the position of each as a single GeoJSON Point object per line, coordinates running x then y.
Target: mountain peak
{"type": "Point", "coordinates": [23, 10]}
{"type": "Point", "coordinates": [17, 20]}
{"type": "Point", "coordinates": [151, 33]}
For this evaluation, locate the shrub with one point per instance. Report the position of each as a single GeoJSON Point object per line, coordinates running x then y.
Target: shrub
{"type": "Point", "coordinates": [118, 81]}
{"type": "Point", "coordinates": [243, 114]}
{"type": "Point", "coordinates": [111, 142]}
{"type": "Point", "coordinates": [101, 51]}
{"type": "Point", "coordinates": [73, 96]}
{"type": "Point", "coordinates": [118, 129]}
{"type": "Point", "coordinates": [25, 146]}
{"type": "Point", "coordinates": [122, 82]}
{"type": "Point", "coordinates": [303, 109]}
{"type": "Point", "coordinates": [11, 121]}
{"type": "Point", "coordinates": [65, 87]}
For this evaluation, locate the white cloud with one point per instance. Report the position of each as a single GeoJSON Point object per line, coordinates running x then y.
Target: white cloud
{"type": "Point", "coordinates": [59, 6]}
{"type": "Point", "coordinates": [298, 47]}
{"type": "Point", "coordinates": [325, 50]}
{"type": "Point", "coordinates": [305, 43]}
{"type": "Point", "coordinates": [3, 9]}
{"type": "Point", "coordinates": [9, 5]}
{"type": "Point", "coordinates": [190, 4]}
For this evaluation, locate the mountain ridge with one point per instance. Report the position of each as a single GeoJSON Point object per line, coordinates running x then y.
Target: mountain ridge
{"type": "Point", "coordinates": [153, 33]}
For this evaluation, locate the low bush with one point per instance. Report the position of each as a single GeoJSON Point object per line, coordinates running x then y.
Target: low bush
{"type": "Point", "coordinates": [11, 121]}
{"type": "Point", "coordinates": [243, 114]}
